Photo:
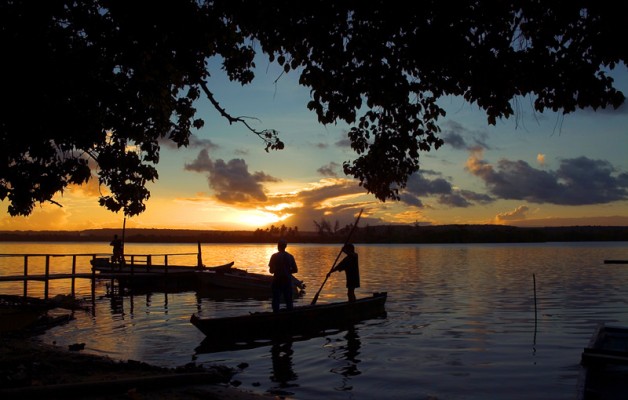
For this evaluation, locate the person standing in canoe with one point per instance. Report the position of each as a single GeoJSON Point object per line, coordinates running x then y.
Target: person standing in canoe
{"type": "Point", "coordinates": [282, 265]}
{"type": "Point", "coordinates": [350, 265]}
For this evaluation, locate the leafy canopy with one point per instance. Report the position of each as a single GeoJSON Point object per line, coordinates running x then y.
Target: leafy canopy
{"type": "Point", "coordinates": [98, 84]}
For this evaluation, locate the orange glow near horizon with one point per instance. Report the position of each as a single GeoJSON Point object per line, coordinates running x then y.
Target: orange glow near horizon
{"type": "Point", "coordinates": [257, 218]}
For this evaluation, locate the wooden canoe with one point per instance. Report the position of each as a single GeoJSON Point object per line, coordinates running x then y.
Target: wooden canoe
{"type": "Point", "coordinates": [301, 321]}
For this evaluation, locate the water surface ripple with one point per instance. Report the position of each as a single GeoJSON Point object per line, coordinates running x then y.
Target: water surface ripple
{"type": "Point", "coordinates": [462, 321]}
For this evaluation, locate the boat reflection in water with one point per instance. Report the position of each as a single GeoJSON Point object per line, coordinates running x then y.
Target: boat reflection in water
{"type": "Point", "coordinates": [349, 352]}
{"type": "Point", "coordinates": [282, 372]}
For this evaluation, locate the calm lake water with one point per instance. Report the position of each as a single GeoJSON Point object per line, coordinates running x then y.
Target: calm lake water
{"type": "Point", "coordinates": [460, 324]}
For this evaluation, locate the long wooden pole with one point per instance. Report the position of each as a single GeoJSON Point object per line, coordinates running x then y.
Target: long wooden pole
{"type": "Point", "coordinates": [315, 299]}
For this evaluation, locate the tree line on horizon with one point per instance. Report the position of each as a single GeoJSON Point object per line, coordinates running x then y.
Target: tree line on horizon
{"type": "Point", "coordinates": [368, 234]}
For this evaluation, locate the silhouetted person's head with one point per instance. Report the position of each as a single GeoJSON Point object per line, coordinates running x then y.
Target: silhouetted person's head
{"type": "Point", "coordinates": [282, 244]}
{"type": "Point", "coordinates": [348, 248]}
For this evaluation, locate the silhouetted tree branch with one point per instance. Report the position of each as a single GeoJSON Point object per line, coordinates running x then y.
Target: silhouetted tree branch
{"type": "Point", "coordinates": [104, 81]}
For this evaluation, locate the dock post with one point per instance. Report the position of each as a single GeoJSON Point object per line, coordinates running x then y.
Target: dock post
{"type": "Point", "coordinates": [73, 273]}
{"type": "Point", "coordinates": [46, 276]}
{"type": "Point", "coordinates": [199, 257]}
{"type": "Point", "coordinates": [25, 277]}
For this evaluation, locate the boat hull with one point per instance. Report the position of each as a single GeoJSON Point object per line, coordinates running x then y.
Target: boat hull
{"type": "Point", "coordinates": [194, 278]}
{"type": "Point", "coordinates": [608, 345]}
{"type": "Point", "coordinates": [304, 320]}
{"type": "Point", "coordinates": [604, 372]}
{"type": "Point", "coordinates": [104, 265]}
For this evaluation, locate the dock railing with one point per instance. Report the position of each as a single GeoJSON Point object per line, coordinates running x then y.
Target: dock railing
{"type": "Point", "coordinates": [143, 260]}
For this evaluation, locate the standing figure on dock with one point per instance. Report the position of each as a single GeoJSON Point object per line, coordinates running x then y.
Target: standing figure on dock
{"type": "Point", "coordinates": [118, 250]}
{"type": "Point", "coordinates": [282, 266]}
{"type": "Point", "coordinates": [350, 265]}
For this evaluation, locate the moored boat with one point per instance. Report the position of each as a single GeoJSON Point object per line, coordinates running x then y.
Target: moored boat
{"type": "Point", "coordinates": [302, 320]}
{"type": "Point", "coordinates": [236, 278]}
{"type": "Point", "coordinates": [105, 265]}
{"type": "Point", "coordinates": [604, 371]}
{"type": "Point", "coordinates": [220, 276]}
{"type": "Point", "coordinates": [608, 345]}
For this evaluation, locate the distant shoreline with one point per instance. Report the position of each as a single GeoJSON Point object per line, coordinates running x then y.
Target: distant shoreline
{"type": "Point", "coordinates": [369, 234]}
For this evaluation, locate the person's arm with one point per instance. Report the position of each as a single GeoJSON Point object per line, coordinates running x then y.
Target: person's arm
{"type": "Point", "coordinates": [342, 265]}
{"type": "Point", "coordinates": [294, 268]}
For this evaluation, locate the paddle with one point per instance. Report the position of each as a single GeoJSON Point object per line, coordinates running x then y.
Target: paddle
{"type": "Point", "coordinates": [315, 299]}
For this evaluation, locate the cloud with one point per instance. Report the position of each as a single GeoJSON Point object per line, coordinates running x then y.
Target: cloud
{"type": "Point", "coordinates": [327, 191]}
{"type": "Point", "coordinates": [517, 214]}
{"type": "Point", "coordinates": [345, 142]}
{"type": "Point", "coordinates": [329, 169]}
{"type": "Point", "coordinates": [464, 198]}
{"type": "Point", "coordinates": [90, 189]}
{"type": "Point", "coordinates": [195, 143]}
{"type": "Point", "coordinates": [231, 181]}
{"type": "Point", "coordinates": [411, 200]}
{"type": "Point", "coordinates": [419, 185]}
{"type": "Point", "coordinates": [332, 199]}
{"type": "Point", "coordinates": [454, 140]}
{"type": "Point", "coordinates": [454, 135]}
{"type": "Point", "coordinates": [577, 181]}
{"type": "Point", "coordinates": [616, 220]}
{"type": "Point", "coordinates": [46, 217]}
{"type": "Point", "coordinates": [202, 163]}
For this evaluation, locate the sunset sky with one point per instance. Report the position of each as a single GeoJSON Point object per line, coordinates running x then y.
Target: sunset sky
{"type": "Point", "coordinates": [530, 170]}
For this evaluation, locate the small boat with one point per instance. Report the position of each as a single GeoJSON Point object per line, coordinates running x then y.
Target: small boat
{"type": "Point", "coordinates": [604, 365]}
{"type": "Point", "coordinates": [609, 344]}
{"type": "Point", "coordinates": [300, 321]}
{"type": "Point", "coordinates": [236, 278]}
{"type": "Point", "coordinates": [198, 278]}
{"type": "Point", "coordinates": [105, 265]}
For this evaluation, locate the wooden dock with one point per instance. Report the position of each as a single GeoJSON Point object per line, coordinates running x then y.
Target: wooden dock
{"type": "Point", "coordinates": [140, 260]}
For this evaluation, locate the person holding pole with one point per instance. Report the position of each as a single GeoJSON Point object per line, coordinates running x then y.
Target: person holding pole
{"type": "Point", "coordinates": [282, 265]}
{"type": "Point", "coordinates": [350, 265]}
{"type": "Point", "coordinates": [333, 267]}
